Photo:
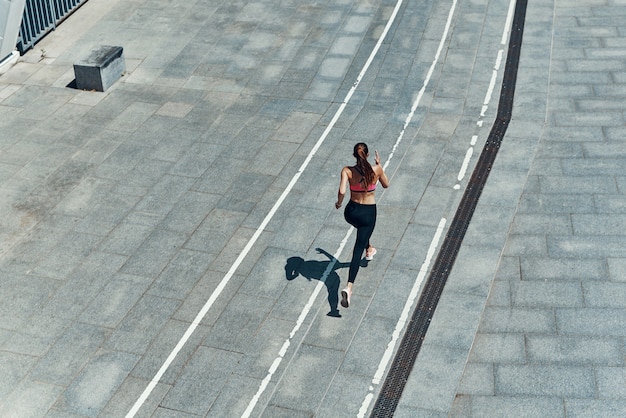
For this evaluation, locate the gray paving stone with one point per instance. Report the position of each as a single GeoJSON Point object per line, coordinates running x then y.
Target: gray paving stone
{"type": "Point", "coordinates": [558, 381]}
{"type": "Point", "coordinates": [478, 379]}
{"type": "Point", "coordinates": [549, 224]}
{"type": "Point", "coordinates": [499, 348]}
{"type": "Point", "coordinates": [282, 412]}
{"type": "Point", "coordinates": [594, 246]}
{"type": "Point", "coordinates": [394, 198]}
{"type": "Point", "coordinates": [573, 350]}
{"type": "Point", "coordinates": [34, 340]}
{"type": "Point", "coordinates": [563, 269]}
{"type": "Point", "coordinates": [115, 300]}
{"type": "Point", "coordinates": [527, 245]}
{"type": "Point", "coordinates": [232, 249]}
{"type": "Point", "coordinates": [500, 294]}
{"type": "Point", "coordinates": [76, 293]}
{"type": "Point", "coordinates": [591, 321]}
{"type": "Point", "coordinates": [30, 398]}
{"type": "Point", "coordinates": [617, 269]}
{"type": "Point", "coordinates": [345, 394]}
{"type": "Point", "coordinates": [206, 366]}
{"type": "Point", "coordinates": [69, 354]}
{"type": "Point", "coordinates": [180, 275]}
{"type": "Point", "coordinates": [541, 203]}
{"type": "Point", "coordinates": [166, 412]}
{"type": "Point", "coordinates": [125, 239]}
{"type": "Point", "coordinates": [604, 295]}
{"type": "Point", "coordinates": [15, 367]}
{"type": "Point", "coordinates": [141, 325]}
{"type": "Point", "coordinates": [444, 335]}
{"type": "Point", "coordinates": [393, 285]}
{"type": "Point", "coordinates": [507, 406]}
{"type": "Point", "coordinates": [245, 318]}
{"type": "Point", "coordinates": [164, 195]}
{"type": "Point", "coordinates": [508, 268]}
{"type": "Point", "coordinates": [526, 320]}
{"type": "Point", "coordinates": [546, 294]}
{"type": "Point", "coordinates": [372, 340]}
{"type": "Point", "coordinates": [502, 193]}
{"type": "Point", "coordinates": [21, 292]}
{"type": "Point", "coordinates": [609, 118]}
{"type": "Point", "coordinates": [586, 184]}
{"type": "Point", "coordinates": [272, 265]}
{"type": "Point", "coordinates": [303, 390]}
{"type": "Point", "coordinates": [230, 400]}
{"type": "Point", "coordinates": [475, 270]}
{"type": "Point", "coordinates": [610, 382]}
{"type": "Point", "coordinates": [410, 411]}
{"type": "Point", "coordinates": [197, 161]}
{"type": "Point", "coordinates": [110, 369]}
{"type": "Point", "coordinates": [605, 224]}
{"type": "Point", "coordinates": [593, 408]}
{"type": "Point", "coordinates": [263, 349]}
{"type": "Point", "coordinates": [430, 385]}
{"type": "Point", "coordinates": [161, 245]}
{"type": "Point", "coordinates": [162, 346]}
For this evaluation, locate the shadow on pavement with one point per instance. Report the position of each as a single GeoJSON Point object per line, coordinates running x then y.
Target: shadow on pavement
{"type": "Point", "coordinates": [319, 270]}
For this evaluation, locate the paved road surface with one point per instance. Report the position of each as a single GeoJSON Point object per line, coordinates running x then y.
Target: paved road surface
{"type": "Point", "coordinates": [170, 248]}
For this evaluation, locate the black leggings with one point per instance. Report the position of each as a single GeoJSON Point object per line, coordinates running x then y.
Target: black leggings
{"type": "Point", "coordinates": [363, 218]}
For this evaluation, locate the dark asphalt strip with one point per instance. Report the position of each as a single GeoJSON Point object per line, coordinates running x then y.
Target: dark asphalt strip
{"type": "Point", "coordinates": [403, 362]}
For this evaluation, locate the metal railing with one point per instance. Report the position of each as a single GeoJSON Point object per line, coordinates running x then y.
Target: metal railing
{"type": "Point", "coordinates": [42, 16]}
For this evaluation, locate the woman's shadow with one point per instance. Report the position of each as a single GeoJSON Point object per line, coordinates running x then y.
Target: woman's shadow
{"type": "Point", "coordinates": [319, 270]}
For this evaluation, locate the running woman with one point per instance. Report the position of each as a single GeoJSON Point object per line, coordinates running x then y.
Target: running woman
{"type": "Point", "coordinates": [360, 212]}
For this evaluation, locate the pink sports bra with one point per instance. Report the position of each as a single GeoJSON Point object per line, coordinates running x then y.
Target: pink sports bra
{"type": "Point", "coordinates": [360, 186]}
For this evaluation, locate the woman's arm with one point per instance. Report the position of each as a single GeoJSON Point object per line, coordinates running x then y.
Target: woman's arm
{"type": "Point", "coordinates": [343, 187]}
{"type": "Point", "coordinates": [378, 169]}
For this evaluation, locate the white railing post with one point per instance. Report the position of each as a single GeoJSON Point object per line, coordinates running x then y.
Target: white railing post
{"type": "Point", "coordinates": [11, 12]}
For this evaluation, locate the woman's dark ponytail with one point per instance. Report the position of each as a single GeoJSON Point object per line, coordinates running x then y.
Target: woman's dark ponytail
{"type": "Point", "coordinates": [360, 153]}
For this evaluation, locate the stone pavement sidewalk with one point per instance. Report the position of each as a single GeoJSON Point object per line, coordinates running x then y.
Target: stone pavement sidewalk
{"type": "Point", "coordinates": [552, 338]}
{"type": "Point", "coordinates": [121, 211]}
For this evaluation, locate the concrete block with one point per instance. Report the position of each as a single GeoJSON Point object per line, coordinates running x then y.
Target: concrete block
{"type": "Point", "coordinates": [100, 69]}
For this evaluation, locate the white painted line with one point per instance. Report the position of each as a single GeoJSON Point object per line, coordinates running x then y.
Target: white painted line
{"type": "Point", "coordinates": [397, 332]}
{"type": "Point", "coordinates": [490, 89]}
{"type": "Point", "coordinates": [404, 317]}
{"type": "Point", "coordinates": [466, 160]}
{"type": "Point", "coordinates": [429, 74]}
{"type": "Point", "coordinates": [307, 308]}
{"type": "Point", "coordinates": [509, 22]}
{"type": "Point", "coordinates": [499, 59]}
{"type": "Point", "coordinates": [220, 287]}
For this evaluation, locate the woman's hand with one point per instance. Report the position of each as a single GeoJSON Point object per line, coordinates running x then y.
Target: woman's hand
{"type": "Point", "coordinates": [337, 204]}
{"type": "Point", "coordinates": [376, 158]}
